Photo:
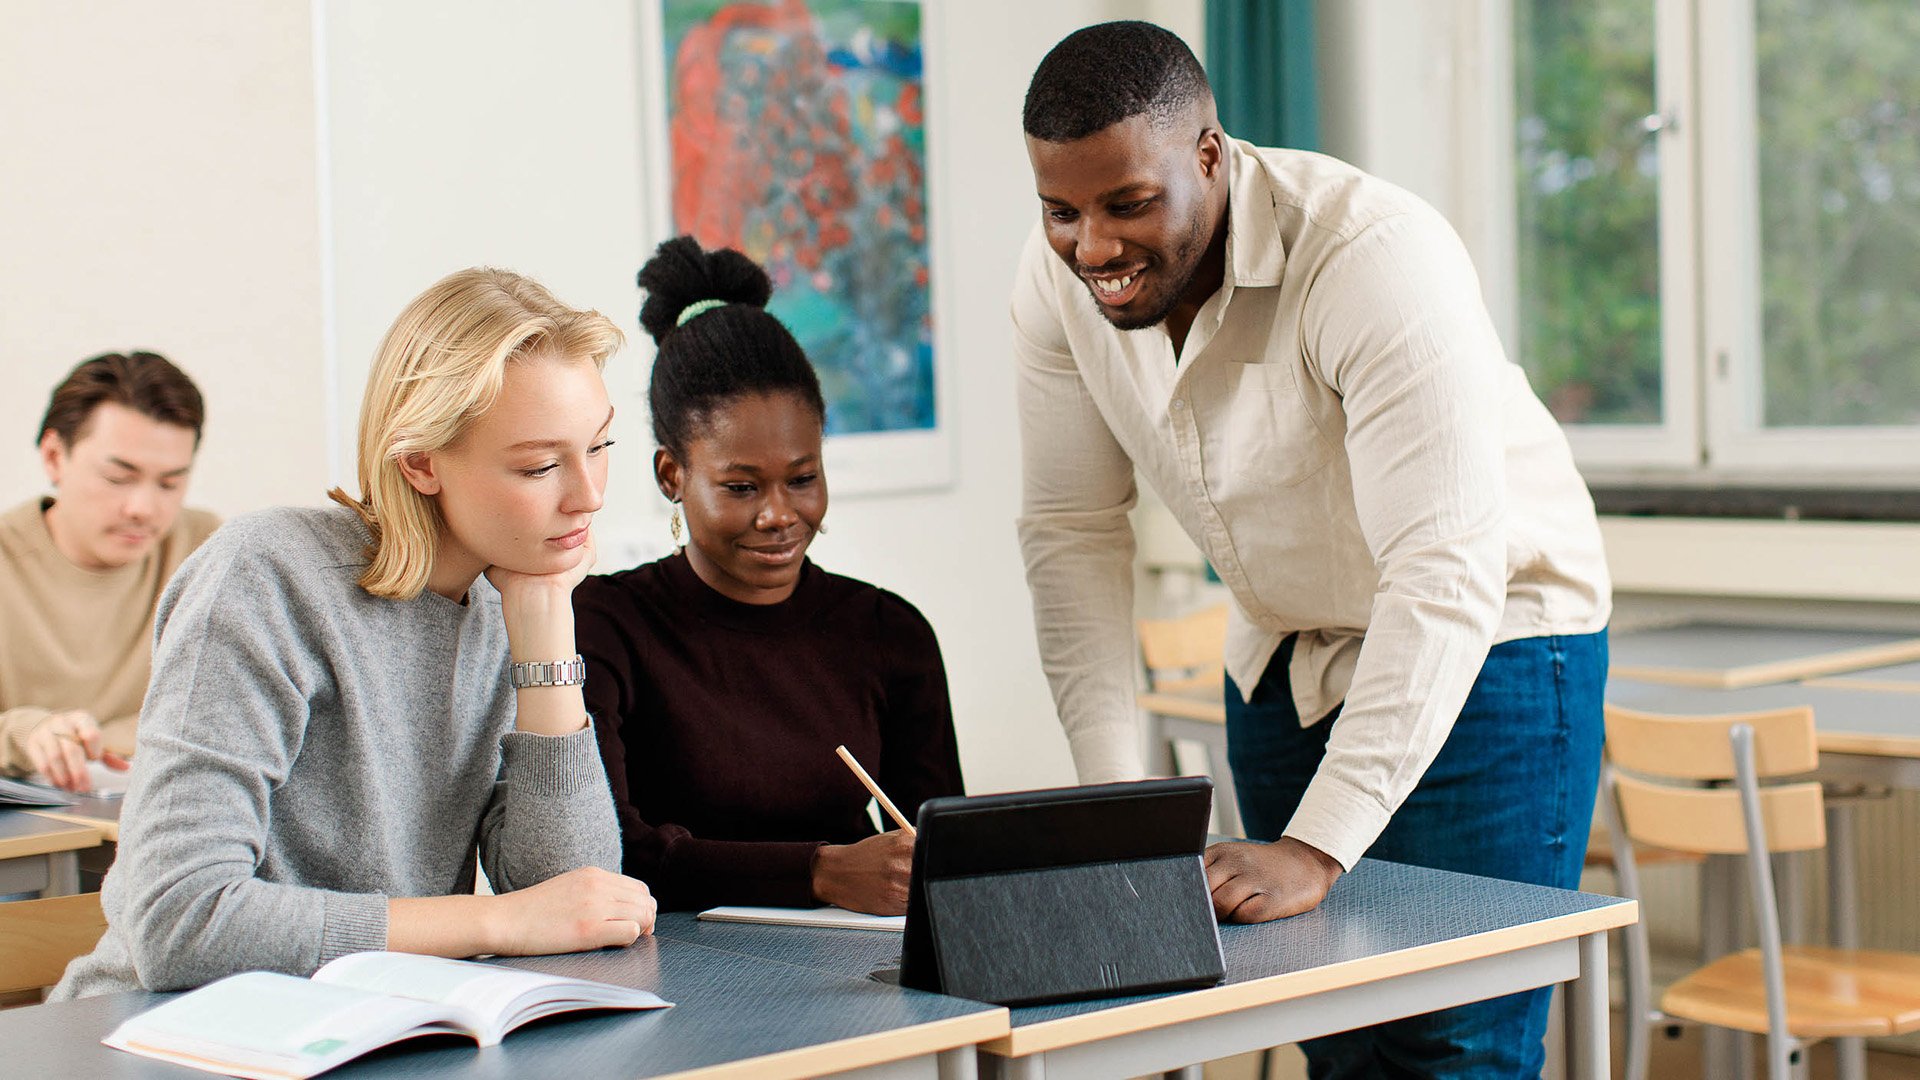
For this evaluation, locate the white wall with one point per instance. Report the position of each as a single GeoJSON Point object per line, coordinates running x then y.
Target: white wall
{"type": "Point", "coordinates": [157, 191]}
{"type": "Point", "coordinates": [187, 178]}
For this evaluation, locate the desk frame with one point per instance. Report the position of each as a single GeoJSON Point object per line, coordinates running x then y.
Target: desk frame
{"type": "Point", "coordinates": [1290, 1008]}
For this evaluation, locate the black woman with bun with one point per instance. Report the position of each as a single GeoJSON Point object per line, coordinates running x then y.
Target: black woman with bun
{"type": "Point", "coordinates": [722, 677]}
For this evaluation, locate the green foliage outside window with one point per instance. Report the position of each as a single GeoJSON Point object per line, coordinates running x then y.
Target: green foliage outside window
{"type": "Point", "coordinates": [1839, 112]}
{"type": "Point", "coordinates": [1838, 97]}
{"type": "Point", "coordinates": [1588, 260]}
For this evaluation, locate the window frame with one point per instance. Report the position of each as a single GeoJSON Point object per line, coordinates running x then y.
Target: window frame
{"type": "Point", "coordinates": [1712, 384]}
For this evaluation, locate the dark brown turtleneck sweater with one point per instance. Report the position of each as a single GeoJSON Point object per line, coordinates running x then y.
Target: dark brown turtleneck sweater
{"type": "Point", "coordinates": [717, 722]}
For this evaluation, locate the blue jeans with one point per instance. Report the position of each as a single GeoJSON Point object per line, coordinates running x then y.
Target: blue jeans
{"type": "Point", "coordinates": [1510, 796]}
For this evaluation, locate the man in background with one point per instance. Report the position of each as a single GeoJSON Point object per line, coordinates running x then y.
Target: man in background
{"type": "Point", "coordinates": [80, 572]}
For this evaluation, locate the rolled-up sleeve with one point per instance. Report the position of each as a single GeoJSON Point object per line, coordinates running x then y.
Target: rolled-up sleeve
{"type": "Point", "coordinates": [551, 811]}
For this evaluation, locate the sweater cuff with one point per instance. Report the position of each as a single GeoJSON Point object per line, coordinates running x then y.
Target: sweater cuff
{"type": "Point", "coordinates": [550, 765]}
{"type": "Point", "coordinates": [1338, 818]}
{"type": "Point", "coordinates": [355, 922]}
{"type": "Point", "coordinates": [789, 874]}
{"type": "Point", "coordinates": [15, 725]}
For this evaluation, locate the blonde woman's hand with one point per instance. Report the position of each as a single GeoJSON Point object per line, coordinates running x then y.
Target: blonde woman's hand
{"type": "Point", "coordinates": [515, 585]}
{"type": "Point", "coordinates": [582, 909]}
{"type": "Point", "coordinates": [60, 746]}
{"type": "Point", "coordinates": [538, 608]}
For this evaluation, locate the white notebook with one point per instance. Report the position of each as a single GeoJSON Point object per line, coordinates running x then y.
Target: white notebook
{"type": "Point", "coordinates": [832, 917]}
{"type": "Point", "coordinates": [268, 1026]}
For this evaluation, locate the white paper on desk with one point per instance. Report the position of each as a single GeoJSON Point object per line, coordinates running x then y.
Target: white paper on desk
{"type": "Point", "coordinates": [831, 917]}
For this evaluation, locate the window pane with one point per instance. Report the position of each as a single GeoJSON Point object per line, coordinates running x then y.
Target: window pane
{"type": "Point", "coordinates": [1839, 116]}
{"type": "Point", "coordinates": [1588, 173]}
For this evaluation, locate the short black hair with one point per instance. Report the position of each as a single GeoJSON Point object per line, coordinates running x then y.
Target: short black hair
{"type": "Point", "coordinates": [1103, 74]}
{"type": "Point", "coordinates": [720, 352]}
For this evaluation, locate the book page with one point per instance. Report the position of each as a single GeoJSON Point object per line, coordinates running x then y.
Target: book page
{"type": "Point", "coordinates": [262, 1023]}
{"type": "Point", "coordinates": [501, 997]}
{"type": "Point", "coordinates": [829, 917]}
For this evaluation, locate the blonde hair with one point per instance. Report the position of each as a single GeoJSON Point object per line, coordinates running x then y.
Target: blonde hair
{"type": "Point", "coordinates": [441, 367]}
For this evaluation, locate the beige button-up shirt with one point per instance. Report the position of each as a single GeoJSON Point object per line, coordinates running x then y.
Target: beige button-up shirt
{"type": "Point", "coordinates": [1344, 439]}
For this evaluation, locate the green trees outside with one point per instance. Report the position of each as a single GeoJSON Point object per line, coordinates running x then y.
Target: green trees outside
{"type": "Point", "coordinates": [1839, 112]}
{"type": "Point", "coordinates": [1587, 172]}
{"type": "Point", "coordinates": [1839, 162]}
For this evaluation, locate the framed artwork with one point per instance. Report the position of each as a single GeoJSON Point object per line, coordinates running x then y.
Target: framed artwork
{"type": "Point", "coordinates": [796, 132]}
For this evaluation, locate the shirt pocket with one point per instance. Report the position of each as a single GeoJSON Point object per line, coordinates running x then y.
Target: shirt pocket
{"type": "Point", "coordinates": [1262, 432]}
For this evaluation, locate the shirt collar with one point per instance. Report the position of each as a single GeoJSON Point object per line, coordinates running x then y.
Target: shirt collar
{"type": "Point", "coordinates": [1256, 256]}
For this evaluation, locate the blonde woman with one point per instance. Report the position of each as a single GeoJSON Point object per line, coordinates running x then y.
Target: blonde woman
{"type": "Point", "coordinates": [347, 702]}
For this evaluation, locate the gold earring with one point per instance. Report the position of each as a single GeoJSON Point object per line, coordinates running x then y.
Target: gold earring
{"type": "Point", "coordinates": [673, 526]}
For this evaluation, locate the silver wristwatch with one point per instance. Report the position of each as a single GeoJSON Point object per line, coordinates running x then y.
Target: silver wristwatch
{"type": "Point", "coordinates": [547, 673]}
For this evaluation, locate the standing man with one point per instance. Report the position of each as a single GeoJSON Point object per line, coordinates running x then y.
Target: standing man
{"type": "Point", "coordinates": [80, 573]}
{"type": "Point", "coordinates": [1296, 356]}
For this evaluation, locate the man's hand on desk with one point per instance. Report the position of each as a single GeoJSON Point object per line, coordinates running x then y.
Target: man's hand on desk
{"type": "Point", "coordinates": [1254, 882]}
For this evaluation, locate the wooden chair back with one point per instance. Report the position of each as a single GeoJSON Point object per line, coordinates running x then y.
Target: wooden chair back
{"type": "Point", "coordinates": [1664, 807]}
{"type": "Point", "coordinates": [1187, 653]}
{"type": "Point", "coordinates": [1698, 747]}
{"type": "Point", "coordinates": [39, 937]}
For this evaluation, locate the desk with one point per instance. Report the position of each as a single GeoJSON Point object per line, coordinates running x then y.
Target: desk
{"type": "Point", "coordinates": [738, 1017]}
{"type": "Point", "coordinates": [1898, 679]}
{"type": "Point", "coordinates": [102, 814]}
{"type": "Point", "coordinates": [1389, 941]}
{"type": "Point", "coordinates": [1730, 657]}
{"type": "Point", "coordinates": [39, 855]}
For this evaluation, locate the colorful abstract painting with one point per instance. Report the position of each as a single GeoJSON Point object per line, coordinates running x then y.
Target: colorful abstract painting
{"type": "Point", "coordinates": [796, 135]}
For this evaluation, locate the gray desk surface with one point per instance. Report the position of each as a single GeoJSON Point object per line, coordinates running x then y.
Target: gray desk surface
{"type": "Point", "coordinates": [26, 833]}
{"type": "Point", "coordinates": [103, 814]}
{"type": "Point", "coordinates": [737, 1016]}
{"type": "Point", "coordinates": [1726, 655]}
{"type": "Point", "coordinates": [1847, 720]}
{"type": "Point", "coordinates": [1381, 919]}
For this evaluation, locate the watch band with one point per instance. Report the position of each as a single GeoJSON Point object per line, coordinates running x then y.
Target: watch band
{"type": "Point", "coordinates": [547, 673]}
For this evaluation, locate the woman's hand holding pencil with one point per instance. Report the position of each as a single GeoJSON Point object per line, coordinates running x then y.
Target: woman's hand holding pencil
{"type": "Point", "coordinates": [872, 875]}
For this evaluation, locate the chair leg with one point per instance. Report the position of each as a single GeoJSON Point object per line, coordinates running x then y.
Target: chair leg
{"type": "Point", "coordinates": [1843, 907]}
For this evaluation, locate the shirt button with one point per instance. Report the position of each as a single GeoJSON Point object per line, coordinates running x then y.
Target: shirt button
{"type": "Point", "coordinates": [1178, 404]}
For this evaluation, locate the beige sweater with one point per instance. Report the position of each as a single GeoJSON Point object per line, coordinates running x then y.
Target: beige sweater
{"type": "Point", "coordinates": [73, 638]}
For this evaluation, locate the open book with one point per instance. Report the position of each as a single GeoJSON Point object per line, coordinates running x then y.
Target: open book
{"type": "Point", "coordinates": [271, 1027]}
{"type": "Point", "coordinates": [836, 918]}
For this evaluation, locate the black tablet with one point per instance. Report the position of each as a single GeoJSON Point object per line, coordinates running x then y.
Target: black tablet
{"type": "Point", "coordinates": [1038, 896]}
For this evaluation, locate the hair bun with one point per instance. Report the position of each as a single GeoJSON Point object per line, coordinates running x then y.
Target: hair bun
{"type": "Point", "coordinates": [682, 273]}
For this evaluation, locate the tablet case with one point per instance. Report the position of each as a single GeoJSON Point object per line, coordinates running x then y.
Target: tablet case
{"type": "Point", "coordinates": [1039, 896]}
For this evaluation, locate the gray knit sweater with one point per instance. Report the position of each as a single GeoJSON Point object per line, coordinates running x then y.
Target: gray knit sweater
{"type": "Point", "coordinates": [307, 751]}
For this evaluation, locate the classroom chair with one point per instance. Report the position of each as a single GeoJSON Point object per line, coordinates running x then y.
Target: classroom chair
{"type": "Point", "coordinates": [1693, 784]}
{"type": "Point", "coordinates": [39, 937]}
{"type": "Point", "coordinates": [1185, 661]}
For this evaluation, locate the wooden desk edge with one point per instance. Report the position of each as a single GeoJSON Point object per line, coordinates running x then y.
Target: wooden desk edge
{"type": "Point", "coordinates": [74, 838]}
{"type": "Point", "coordinates": [1844, 742]}
{"type": "Point", "coordinates": [1854, 682]}
{"type": "Point", "coordinates": [1214, 1001]}
{"type": "Point", "coordinates": [861, 1051]}
{"type": "Point", "coordinates": [1778, 671]}
{"type": "Point", "coordinates": [108, 828]}
{"type": "Point", "coordinates": [1186, 708]}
